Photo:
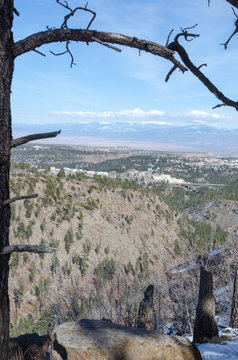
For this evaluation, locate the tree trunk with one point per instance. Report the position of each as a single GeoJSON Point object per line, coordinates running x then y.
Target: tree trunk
{"type": "Point", "coordinates": [205, 324]}
{"type": "Point", "coordinates": [6, 71]}
{"type": "Point", "coordinates": [234, 307]}
{"type": "Point", "coordinates": [146, 315]}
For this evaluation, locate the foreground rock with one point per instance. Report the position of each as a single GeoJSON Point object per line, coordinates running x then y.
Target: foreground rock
{"type": "Point", "coordinates": [31, 346]}
{"type": "Point", "coordinates": [103, 340]}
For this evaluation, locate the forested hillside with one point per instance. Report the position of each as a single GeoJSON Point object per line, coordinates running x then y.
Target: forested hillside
{"type": "Point", "coordinates": [112, 238]}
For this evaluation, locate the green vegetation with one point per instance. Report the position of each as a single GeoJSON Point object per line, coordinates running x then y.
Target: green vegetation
{"type": "Point", "coordinates": [83, 199]}
{"type": "Point", "coordinates": [105, 270]}
{"type": "Point", "coordinates": [44, 325]}
{"type": "Point", "coordinates": [67, 268]}
{"type": "Point", "coordinates": [18, 294]}
{"type": "Point", "coordinates": [182, 199]}
{"type": "Point", "coordinates": [142, 265]}
{"type": "Point", "coordinates": [129, 268]}
{"type": "Point", "coordinates": [107, 249]}
{"type": "Point", "coordinates": [32, 270]}
{"type": "Point", "coordinates": [202, 237]}
{"type": "Point", "coordinates": [15, 258]}
{"type": "Point", "coordinates": [61, 174]}
{"type": "Point", "coordinates": [68, 239]}
{"type": "Point", "coordinates": [112, 184]}
{"type": "Point", "coordinates": [97, 248]}
{"type": "Point", "coordinates": [177, 248]}
{"type": "Point", "coordinates": [81, 261]}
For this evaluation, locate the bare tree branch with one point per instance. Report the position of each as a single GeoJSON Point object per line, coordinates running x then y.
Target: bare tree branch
{"type": "Point", "coordinates": [107, 45]}
{"type": "Point", "coordinates": [67, 51]}
{"type": "Point", "coordinates": [39, 52]}
{"type": "Point", "coordinates": [16, 198]}
{"type": "Point", "coordinates": [186, 35]}
{"type": "Point", "coordinates": [167, 42]}
{"type": "Point", "coordinates": [73, 11]}
{"type": "Point", "coordinates": [27, 248]}
{"type": "Point", "coordinates": [170, 73]}
{"type": "Point", "coordinates": [25, 139]}
{"type": "Point", "coordinates": [218, 106]}
{"type": "Point", "coordinates": [175, 46]}
{"type": "Point", "coordinates": [16, 11]}
{"type": "Point", "coordinates": [234, 32]}
{"type": "Point", "coordinates": [62, 35]}
{"type": "Point", "coordinates": [200, 66]}
{"type": "Point", "coordinates": [233, 2]}
{"type": "Point", "coordinates": [65, 25]}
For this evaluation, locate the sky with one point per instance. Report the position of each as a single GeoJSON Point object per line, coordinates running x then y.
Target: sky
{"type": "Point", "coordinates": [107, 86]}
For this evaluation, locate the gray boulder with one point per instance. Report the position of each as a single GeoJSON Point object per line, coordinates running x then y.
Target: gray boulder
{"type": "Point", "coordinates": [104, 340]}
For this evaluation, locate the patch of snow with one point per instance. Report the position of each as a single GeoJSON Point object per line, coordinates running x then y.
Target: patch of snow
{"type": "Point", "coordinates": [217, 251]}
{"type": "Point", "coordinates": [191, 265]}
{"type": "Point", "coordinates": [224, 351]}
{"type": "Point", "coordinates": [169, 329]}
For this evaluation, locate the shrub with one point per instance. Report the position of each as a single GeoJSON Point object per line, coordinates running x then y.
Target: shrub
{"type": "Point", "coordinates": [67, 268]}
{"type": "Point", "coordinates": [106, 269]}
{"type": "Point", "coordinates": [97, 248]}
{"type": "Point", "coordinates": [129, 268]}
{"type": "Point", "coordinates": [81, 261]}
{"type": "Point", "coordinates": [177, 248]}
{"type": "Point", "coordinates": [107, 249]}
{"type": "Point", "coordinates": [15, 260]}
{"type": "Point", "coordinates": [68, 239]}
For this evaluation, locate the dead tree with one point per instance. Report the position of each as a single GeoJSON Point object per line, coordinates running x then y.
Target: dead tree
{"type": "Point", "coordinates": [205, 326]}
{"type": "Point", "coordinates": [146, 314]}
{"type": "Point", "coordinates": [9, 51]}
{"type": "Point", "coordinates": [234, 306]}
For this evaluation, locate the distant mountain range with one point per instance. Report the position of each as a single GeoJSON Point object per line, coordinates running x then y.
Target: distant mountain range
{"type": "Point", "coordinates": [144, 135]}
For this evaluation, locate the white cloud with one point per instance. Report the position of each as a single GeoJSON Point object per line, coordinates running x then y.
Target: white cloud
{"type": "Point", "coordinates": [198, 113]}
{"type": "Point", "coordinates": [150, 117]}
{"type": "Point", "coordinates": [155, 123]}
{"type": "Point", "coordinates": [135, 113]}
{"type": "Point", "coordinates": [205, 114]}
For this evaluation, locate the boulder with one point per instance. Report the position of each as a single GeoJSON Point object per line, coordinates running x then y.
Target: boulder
{"type": "Point", "coordinates": [104, 340]}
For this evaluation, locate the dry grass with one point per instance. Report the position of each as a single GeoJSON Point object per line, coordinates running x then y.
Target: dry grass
{"type": "Point", "coordinates": [16, 353]}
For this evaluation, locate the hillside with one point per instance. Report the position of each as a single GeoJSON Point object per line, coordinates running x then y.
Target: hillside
{"type": "Point", "coordinates": [112, 239]}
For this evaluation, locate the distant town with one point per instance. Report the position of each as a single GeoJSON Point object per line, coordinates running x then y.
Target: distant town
{"type": "Point", "coordinates": [139, 165]}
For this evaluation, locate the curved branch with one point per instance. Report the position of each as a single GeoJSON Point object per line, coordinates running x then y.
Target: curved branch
{"type": "Point", "coordinates": [61, 35]}
{"type": "Point", "coordinates": [16, 198]}
{"type": "Point", "coordinates": [25, 139]}
{"type": "Point", "coordinates": [175, 46]}
{"type": "Point", "coordinates": [27, 248]}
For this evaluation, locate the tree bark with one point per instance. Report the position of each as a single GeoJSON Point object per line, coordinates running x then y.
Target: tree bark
{"type": "Point", "coordinates": [234, 306]}
{"type": "Point", "coordinates": [205, 326]}
{"type": "Point", "coordinates": [61, 35]}
{"type": "Point", "coordinates": [6, 71]}
{"type": "Point", "coordinates": [25, 139]}
{"type": "Point", "coordinates": [146, 315]}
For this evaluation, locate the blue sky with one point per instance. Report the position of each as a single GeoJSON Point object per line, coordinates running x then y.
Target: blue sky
{"type": "Point", "coordinates": [106, 86]}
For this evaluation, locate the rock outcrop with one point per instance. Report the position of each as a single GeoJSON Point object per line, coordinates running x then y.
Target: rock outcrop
{"type": "Point", "coordinates": [104, 340]}
{"type": "Point", "coordinates": [31, 346]}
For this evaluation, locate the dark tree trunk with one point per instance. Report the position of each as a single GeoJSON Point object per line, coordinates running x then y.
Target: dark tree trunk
{"type": "Point", "coordinates": [205, 323]}
{"type": "Point", "coordinates": [146, 315]}
{"type": "Point", "coordinates": [234, 307]}
{"type": "Point", "coordinates": [6, 71]}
